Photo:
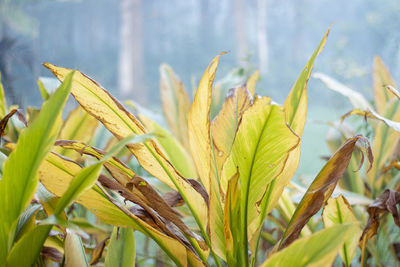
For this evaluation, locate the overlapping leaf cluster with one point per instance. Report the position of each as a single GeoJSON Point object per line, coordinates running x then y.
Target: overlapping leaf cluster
{"type": "Point", "coordinates": [206, 191]}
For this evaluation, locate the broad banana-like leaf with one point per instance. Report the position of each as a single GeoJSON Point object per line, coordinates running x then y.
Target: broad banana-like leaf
{"type": "Point", "coordinates": [252, 82]}
{"type": "Point", "coordinates": [355, 98]}
{"type": "Point", "coordinates": [175, 104]}
{"type": "Point", "coordinates": [322, 188]}
{"type": "Point", "coordinates": [100, 104]}
{"type": "Point", "coordinates": [199, 125]}
{"type": "Point", "coordinates": [260, 150]}
{"type": "Point", "coordinates": [57, 171]}
{"type": "Point", "coordinates": [223, 131]}
{"type": "Point", "coordinates": [121, 249]}
{"type": "Point", "coordinates": [19, 180]}
{"type": "Point", "coordinates": [295, 107]}
{"type": "Point", "coordinates": [74, 251]}
{"type": "Point", "coordinates": [176, 153]}
{"type": "Point", "coordinates": [338, 211]}
{"type": "Point", "coordinates": [319, 249]}
{"type": "Point", "coordinates": [78, 126]}
{"type": "Point", "coordinates": [381, 79]}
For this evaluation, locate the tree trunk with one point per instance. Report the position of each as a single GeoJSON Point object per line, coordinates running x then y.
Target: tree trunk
{"type": "Point", "coordinates": [262, 37]}
{"type": "Point", "coordinates": [131, 64]}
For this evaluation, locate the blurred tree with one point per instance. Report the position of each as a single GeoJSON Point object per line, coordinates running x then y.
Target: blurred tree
{"type": "Point", "coordinates": [262, 37]}
{"type": "Point", "coordinates": [239, 17]}
{"type": "Point", "coordinates": [131, 59]}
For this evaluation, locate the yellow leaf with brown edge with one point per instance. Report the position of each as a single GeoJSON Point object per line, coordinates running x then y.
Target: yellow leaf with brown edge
{"type": "Point", "coordinates": [175, 104]}
{"type": "Point", "coordinates": [338, 211]}
{"type": "Point", "coordinates": [174, 150]}
{"type": "Point", "coordinates": [56, 172]}
{"type": "Point", "coordinates": [223, 131]}
{"type": "Point", "coordinates": [295, 107]}
{"type": "Point", "coordinates": [104, 107]}
{"type": "Point", "coordinates": [78, 126]}
{"type": "Point", "coordinates": [381, 79]}
{"type": "Point", "coordinates": [322, 188]}
{"type": "Point", "coordinates": [199, 125]}
{"type": "Point", "coordinates": [252, 82]}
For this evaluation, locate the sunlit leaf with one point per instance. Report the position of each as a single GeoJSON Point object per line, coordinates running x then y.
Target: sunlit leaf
{"type": "Point", "coordinates": [3, 103]}
{"type": "Point", "coordinates": [321, 188]}
{"type": "Point", "coordinates": [175, 103]}
{"type": "Point", "coordinates": [259, 152]}
{"type": "Point", "coordinates": [319, 249]}
{"type": "Point", "coordinates": [199, 124]}
{"type": "Point", "coordinates": [100, 104]}
{"type": "Point", "coordinates": [121, 249]}
{"type": "Point", "coordinates": [338, 211]}
{"type": "Point", "coordinates": [20, 169]}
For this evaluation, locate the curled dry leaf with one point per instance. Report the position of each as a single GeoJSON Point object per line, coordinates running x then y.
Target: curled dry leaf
{"type": "Point", "coordinates": [52, 253]}
{"type": "Point", "coordinates": [384, 203]}
{"type": "Point", "coordinates": [98, 251]}
{"type": "Point", "coordinates": [322, 188]}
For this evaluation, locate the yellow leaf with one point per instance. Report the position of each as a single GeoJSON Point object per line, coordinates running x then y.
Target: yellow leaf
{"type": "Point", "coordinates": [381, 79]}
{"type": "Point", "coordinates": [175, 103]}
{"type": "Point", "coordinates": [199, 124]}
{"type": "Point", "coordinates": [252, 81]}
{"type": "Point", "coordinates": [100, 104]}
{"type": "Point", "coordinates": [78, 126]}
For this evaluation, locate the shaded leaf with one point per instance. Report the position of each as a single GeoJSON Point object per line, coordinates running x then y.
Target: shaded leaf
{"type": "Point", "coordinates": [319, 249]}
{"type": "Point", "coordinates": [98, 251]}
{"type": "Point", "coordinates": [381, 79]}
{"type": "Point", "coordinates": [74, 251]}
{"type": "Point", "coordinates": [121, 249]}
{"type": "Point", "coordinates": [52, 253]}
{"type": "Point", "coordinates": [384, 203]}
{"type": "Point", "coordinates": [79, 126]}
{"type": "Point", "coordinates": [175, 104]}
{"type": "Point", "coordinates": [356, 99]}
{"type": "Point", "coordinates": [321, 188]}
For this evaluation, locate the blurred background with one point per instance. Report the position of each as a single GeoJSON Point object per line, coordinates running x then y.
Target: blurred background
{"type": "Point", "coordinates": [121, 44]}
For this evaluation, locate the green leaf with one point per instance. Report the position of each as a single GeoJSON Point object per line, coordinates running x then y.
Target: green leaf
{"type": "Point", "coordinates": [319, 249]}
{"type": "Point", "coordinates": [338, 211]}
{"type": "Point", "coordinates": [19, 180]}
{"type": "Point", "coordinates": [121, 249]}
{"type": "Point", "coordinates": [259, 152]}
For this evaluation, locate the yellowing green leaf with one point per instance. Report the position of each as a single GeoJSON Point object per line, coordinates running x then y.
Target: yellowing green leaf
{"type": "Point", "coordinates": [321, 188]}
{"type": "Point", "coordinates": [252, 81]}
{"type": "Point", "coordinates": [176, 153]}
{"type": "Point", "coordinates": [259, 152]}
{"type": "Point", "coordinates": [381, 79]}
{"type": "Point", "coordinates": [199, 125]}
{"type": "Point", "coordinates": [3, 104]}
{"type": "Point", "coordinates": [78, 126]}
{"type": "Point", "coordinates": [121, 249]}
{"type": "Point", "coordinates": [319, 249]}
{"type": "Point", "coordinates": [100, 104]}
{"type": "Point", "coordinates": [19, 180]}
{"type": "Point", "coordinates": [338, 211]}
{"type": "Point", "coordinates": [175, 103]}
